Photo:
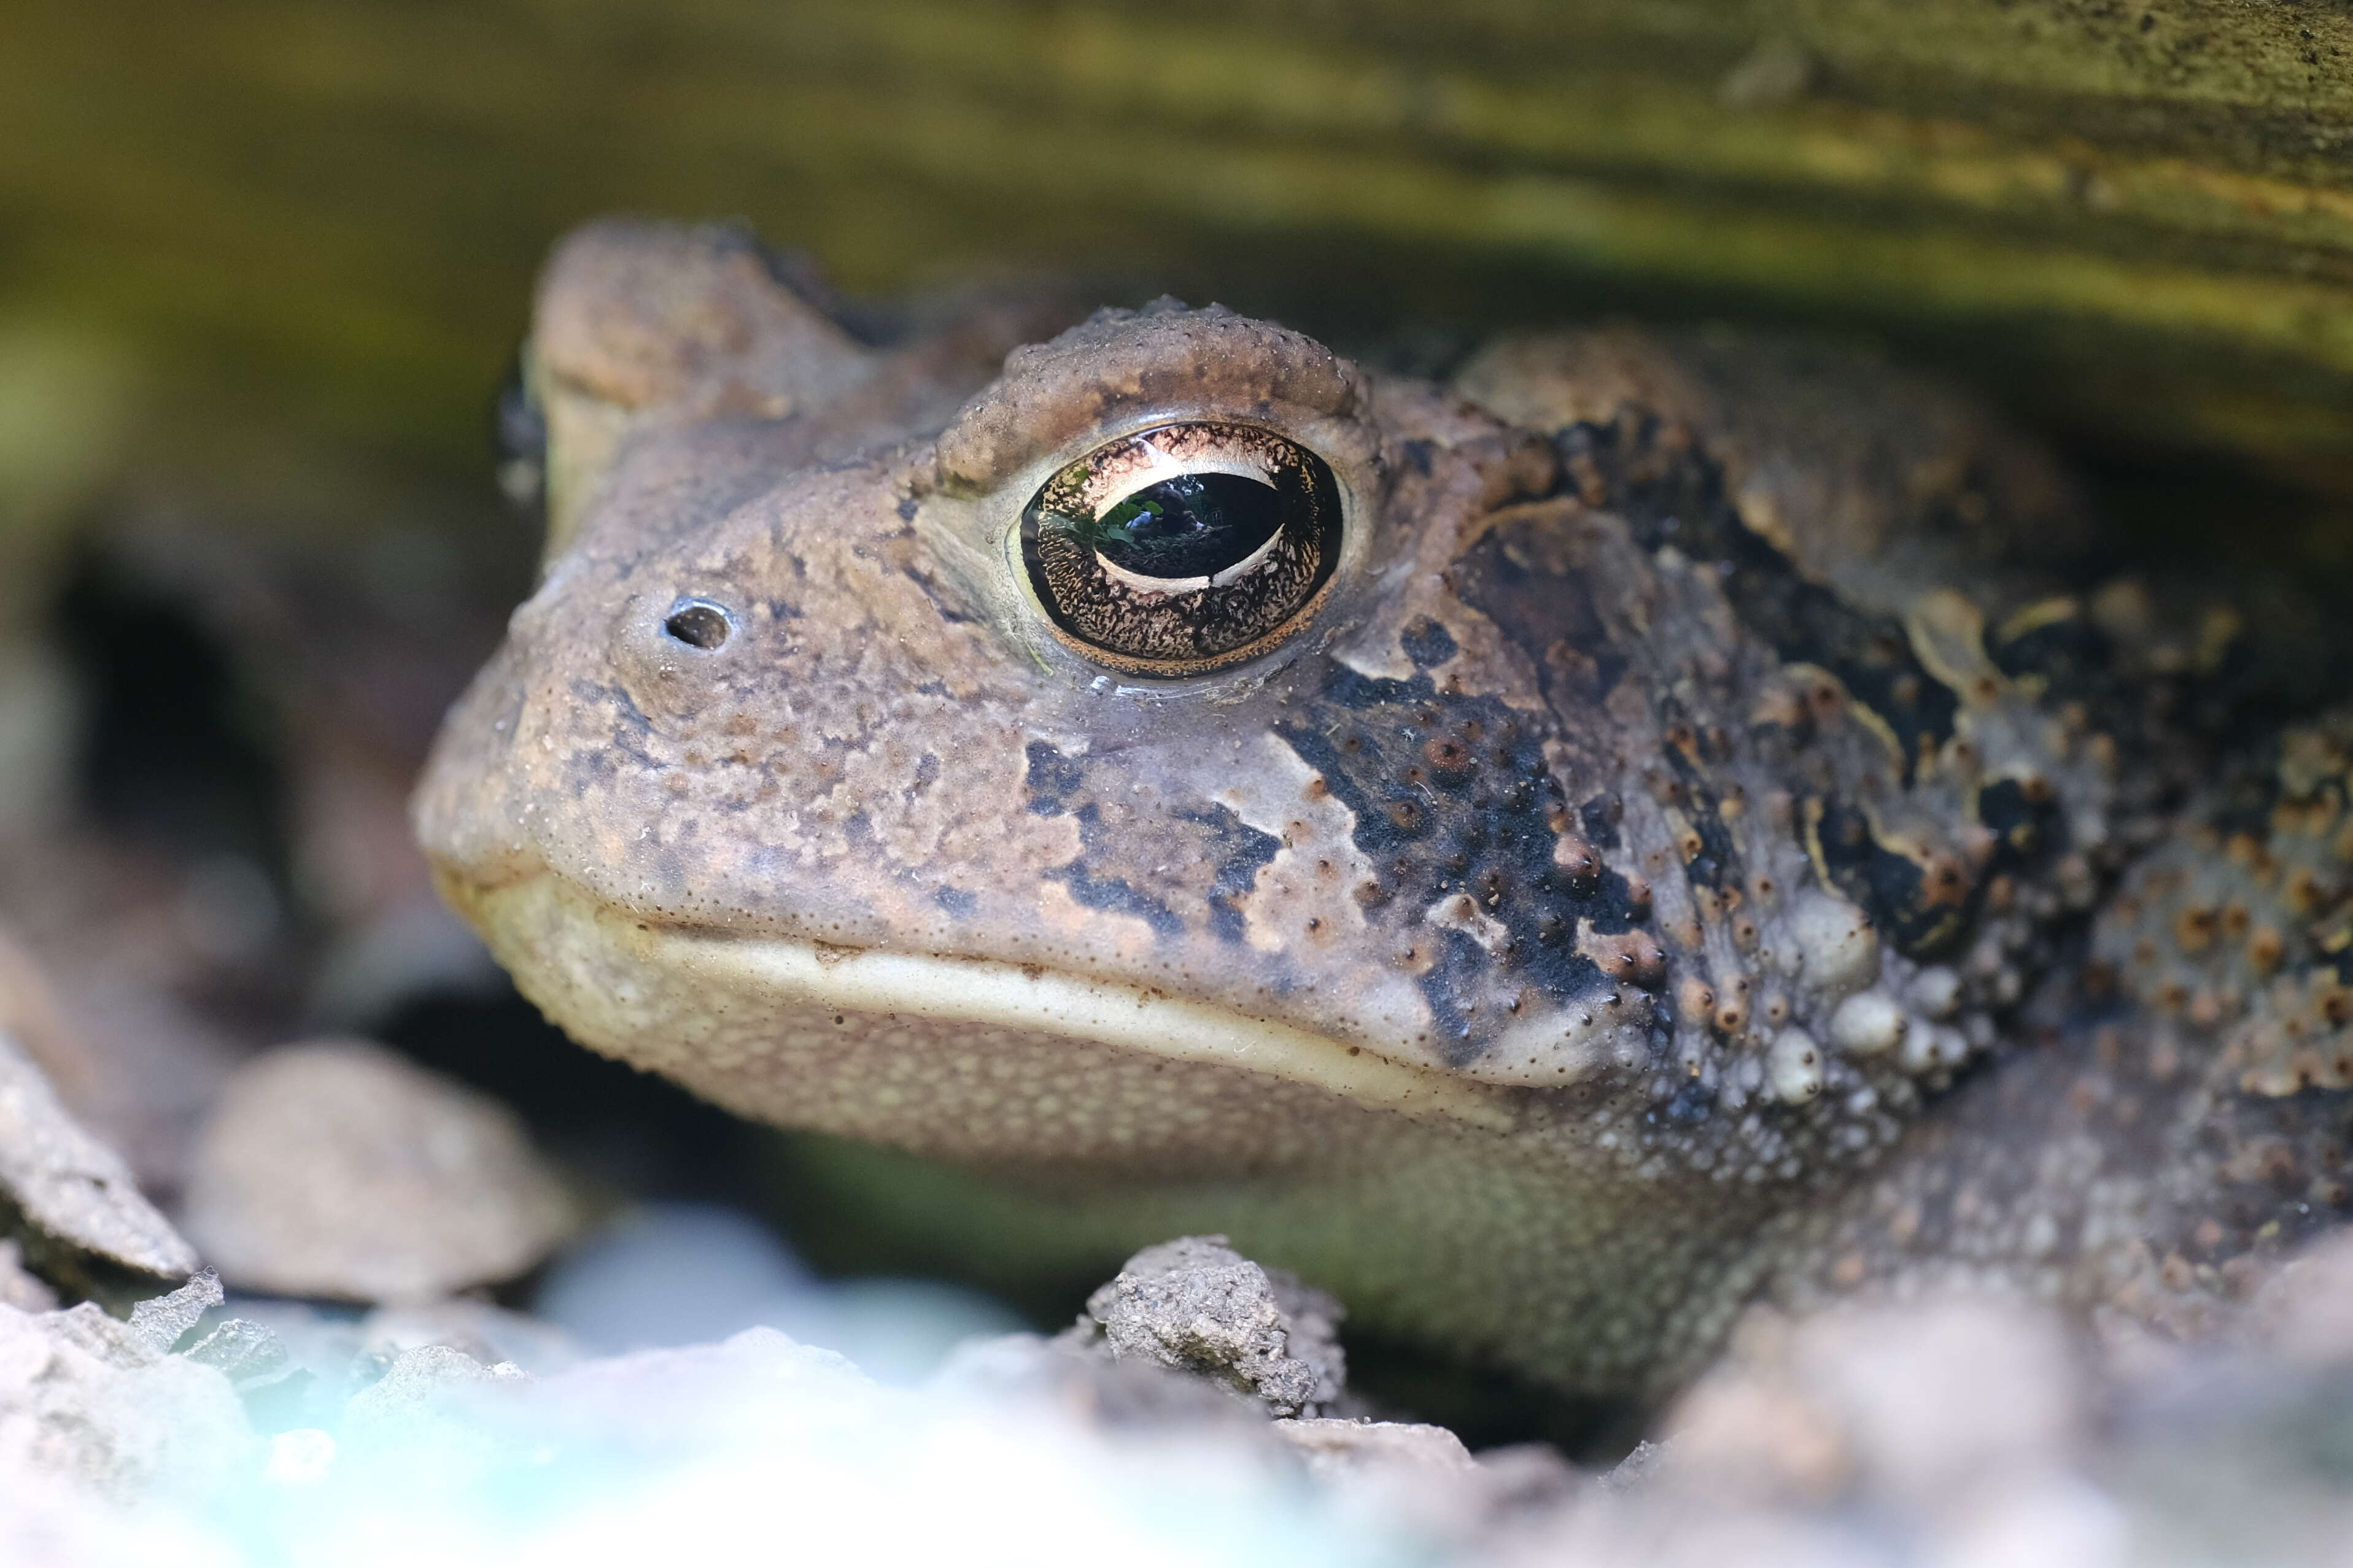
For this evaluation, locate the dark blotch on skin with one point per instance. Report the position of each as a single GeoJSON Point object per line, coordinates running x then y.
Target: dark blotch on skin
{"type": "Point", "coordinates": [1427, 644]}
{"type": "Point", "coordinates": [2076, 662]}
{"type": "Point", "coordinates": [1480, 830]}
{"type": "Point", "coordinates": [2073, 657]}
{"type": "Point", "coordinates": [1544, 610]}
{"type": "Point", "coordinates": [1676, 497]}
{"type": "Point", "coordinates": [1058, 785]}
{"type": "Point", "coordinates": [1051, 779]}
{"type": "Point", "coordinates": [1247, 849]}
{"type": "Point", "coordinates": [1113, 896]}
{"type": "Point", "coordinates": [1890, 885]}
{"type": "Point", "coordinates": [1459, 961]}
{"type": "Point", "coordinates": [1689, 1107]}
{"type": "Point", "coordinates": [1719, 863]}
{"type": "Point", "coordinates": [2249, 795]}
{"type": "Point", "coordinates": [1599, 817]}
{"type": "Point", "coordinates": [2023, 825]}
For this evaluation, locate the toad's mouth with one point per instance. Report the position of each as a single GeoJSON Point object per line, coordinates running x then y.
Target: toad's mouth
{"type": "Point", "coordinates": [708, 1006]}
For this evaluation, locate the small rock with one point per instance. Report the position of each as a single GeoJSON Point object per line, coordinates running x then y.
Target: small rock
{"type": "Point", "coordinates": [1927, 1404]}
{"type": "Point", "coordinates": [1638, 1469]}
{"type": "Point", "coordinates": [1073, 1374]}
{"type": "Point", "coordinates": [488, 1333]}
{"type": "Point", "coordinates": [1334, 1447]}
{"type": "Point", "coordinates": [417, 1413]}
{"type": "Point", "coordinates": [413, 1382]}
{"type": "Point", "coordinates": [86, 1399]}
{"type": "Point", "coordinates": [1421, 1480]}
{"type": "Point", "coordinates": [19, 1286]}
{"type": "Point", "coordinates": [74, 1194]}
{"type": "Point", "coordinates": [1530, 1477]}
{"type": "Point", "coordinates": [278, 1393]}
{"type": "Point", "coordinates": [87, 1327]}
{"type": "Point", "coordinates": [339, 1168]}
{"type": "Point", "coordinates": [164, 1321]}
{"type": "Point", "coordinates": [245, 1352]}
{"type": "Point", "coordinates": [1196, 1305]}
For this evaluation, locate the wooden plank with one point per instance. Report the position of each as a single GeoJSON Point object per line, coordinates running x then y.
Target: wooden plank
{"type": "Point", "coordinates": [2135, 220]}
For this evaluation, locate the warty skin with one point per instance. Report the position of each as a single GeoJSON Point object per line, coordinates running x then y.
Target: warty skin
{"type": "Point", "coordinates": [1656, 870]}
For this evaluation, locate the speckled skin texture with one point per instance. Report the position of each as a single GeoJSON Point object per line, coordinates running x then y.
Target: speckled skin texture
{"type": "Point", "coordinates": [2183, 1118]}
{"type": "Point", "coordinates": [1658, 872]}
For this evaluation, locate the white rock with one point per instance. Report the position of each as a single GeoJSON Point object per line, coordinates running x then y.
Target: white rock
{"type": "Point", "coordinates": [86, 1400]}
{"type": "Point", "coordinates": [1336, 1447]}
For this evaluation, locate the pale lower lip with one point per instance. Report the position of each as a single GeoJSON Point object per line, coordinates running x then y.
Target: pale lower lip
{"type": "Point", "coordinates": [798, 974]}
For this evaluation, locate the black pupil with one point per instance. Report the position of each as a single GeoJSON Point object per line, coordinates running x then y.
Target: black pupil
{"type": "Point", "coordinates": [1195, 525]}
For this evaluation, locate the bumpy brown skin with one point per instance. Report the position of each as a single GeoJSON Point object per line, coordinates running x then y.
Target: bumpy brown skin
{"type": "Point", "coordinates": [2188, 1117]}
{"type": "Point", "coordinates": [1690, 779]}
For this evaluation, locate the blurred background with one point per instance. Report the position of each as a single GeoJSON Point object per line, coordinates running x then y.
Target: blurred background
{"type": "Point", "coordinates": [263, 264]}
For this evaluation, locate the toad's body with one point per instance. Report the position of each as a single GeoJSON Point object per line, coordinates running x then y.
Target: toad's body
{"type": "Point", "coordinates": [1548, 856]}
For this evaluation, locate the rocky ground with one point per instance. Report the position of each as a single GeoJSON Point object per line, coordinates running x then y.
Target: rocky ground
{"type": "Point", "coordinates": [1197, 1411]}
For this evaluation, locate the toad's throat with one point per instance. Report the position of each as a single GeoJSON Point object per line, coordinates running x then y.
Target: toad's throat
{"type": "Point", "coordinates": [614, 980]}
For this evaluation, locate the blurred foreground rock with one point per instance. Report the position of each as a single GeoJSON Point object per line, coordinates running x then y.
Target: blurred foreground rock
{"type": "Point", "coordinates": [75, 1213]}
{"type": "Point", "coordinates": [338, 1168]}
{"type": "Point", "coordinates": [88, 1400]}
{"type": "Point", "coordinates": [1989, 1433]}
{"type": "Point", "coordinates": [1955, 1432]}
{"type": "Point", "coordinates": [1952, 1431]}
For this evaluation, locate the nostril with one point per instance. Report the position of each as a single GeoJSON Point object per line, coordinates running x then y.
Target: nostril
{"type": "Point", "coordinates": [698, 623]}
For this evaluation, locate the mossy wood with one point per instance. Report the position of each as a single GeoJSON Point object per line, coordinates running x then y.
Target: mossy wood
{"type": "Point", "coordinates": [2133, 218]}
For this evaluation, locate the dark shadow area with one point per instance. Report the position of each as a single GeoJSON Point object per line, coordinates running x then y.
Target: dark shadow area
{"type": "Point", "coordinates": [177, 749]}
{"type": "Point", "coordinates": [628, 1132]}
{"type": "Point", "coordinates": [1484, 1406]}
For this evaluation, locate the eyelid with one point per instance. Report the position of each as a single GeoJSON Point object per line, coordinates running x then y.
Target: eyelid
{"type": "Point", "coordinates": [1247, 564]}
{"type": "Point", "coordinates": [1164, 467]}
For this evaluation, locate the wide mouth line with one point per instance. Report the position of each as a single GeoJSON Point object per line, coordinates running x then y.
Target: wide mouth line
{"type": "Point", "coordinates": [807, 973]}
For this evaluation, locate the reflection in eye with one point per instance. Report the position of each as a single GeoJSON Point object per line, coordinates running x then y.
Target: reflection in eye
{"type": "Point", "coordinates": [1185, 548]}
{"type": "Point", "coordinates": [1190, 530]}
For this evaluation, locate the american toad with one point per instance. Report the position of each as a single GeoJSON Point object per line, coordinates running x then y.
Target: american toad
{"type": "Point", "coordinates": [1549, 853]}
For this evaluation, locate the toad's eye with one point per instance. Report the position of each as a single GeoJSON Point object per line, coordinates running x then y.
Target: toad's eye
{"type": "Point", "coordinates": [1185, 548]}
